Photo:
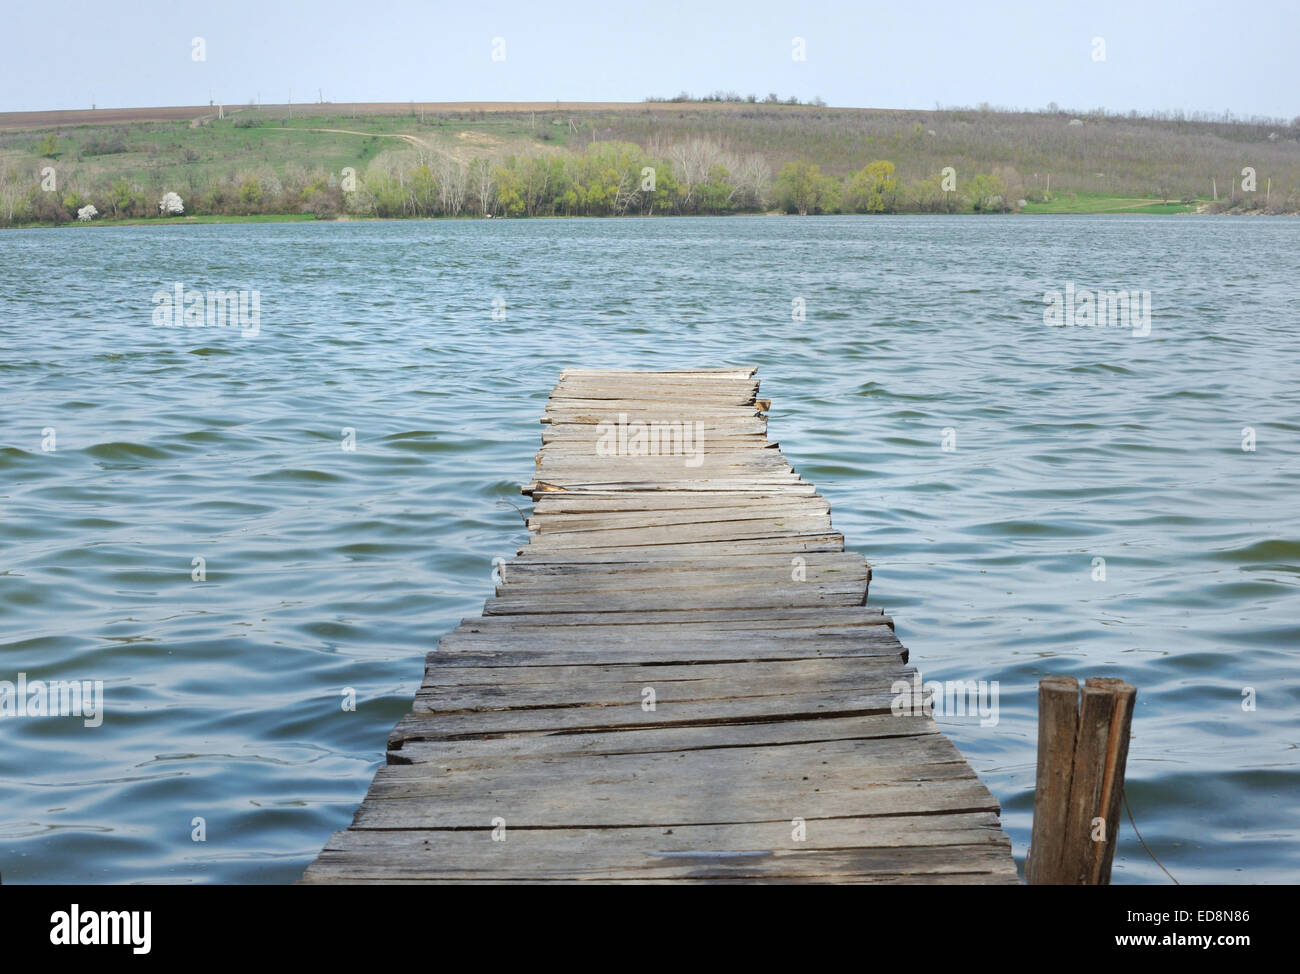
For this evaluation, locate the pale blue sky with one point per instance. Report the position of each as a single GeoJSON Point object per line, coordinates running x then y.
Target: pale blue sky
{"type": "Point", "coordinates": [1162, 54]}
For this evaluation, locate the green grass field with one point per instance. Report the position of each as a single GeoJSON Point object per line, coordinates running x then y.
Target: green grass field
{"type": "Point", "coordinates": [1101, 203]}
{"type": "Point", "coordinates": [181, 155]}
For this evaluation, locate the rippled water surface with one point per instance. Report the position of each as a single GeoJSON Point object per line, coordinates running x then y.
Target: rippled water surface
{"type": "Point", "coordinates": [328, 569]}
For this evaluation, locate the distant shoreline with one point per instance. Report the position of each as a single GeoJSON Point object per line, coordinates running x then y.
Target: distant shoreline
{"type": "Point", "coordinates": [214, 220]}
{"type": "Point", "coordinates": [308, 218]}
{"type": "Point", "coordinates": [683, 158]}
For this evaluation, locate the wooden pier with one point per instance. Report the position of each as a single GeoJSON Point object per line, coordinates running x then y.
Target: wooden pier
{"type": "Point", "coordinates": [677, 680]}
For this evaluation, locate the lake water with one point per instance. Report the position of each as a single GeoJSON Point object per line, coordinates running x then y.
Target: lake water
{"type": "Point", "coordinates": [328, 569]}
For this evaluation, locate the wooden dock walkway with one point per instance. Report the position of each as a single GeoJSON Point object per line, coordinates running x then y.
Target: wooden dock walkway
{"type": "Point", "coordinates": [678, 679]}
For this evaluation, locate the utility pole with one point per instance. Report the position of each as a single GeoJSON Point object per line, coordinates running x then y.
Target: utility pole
{"type": "Point", "coordinates": [1214, 189]}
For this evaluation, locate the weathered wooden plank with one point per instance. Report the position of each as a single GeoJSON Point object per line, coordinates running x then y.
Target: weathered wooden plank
{"type": "Point", "coordinates": [668, 469]}
{"type": "Point", "coordinates": [750, 432]}
{"type": "Point", "coordinates": [542, 652]}
{"type": "Point", "coordinates": [698, 456]}
{"type": "Point", "coordinates": [799, 594]}
{"type": "Point", "coordinates": [700, 578]}
{"type": "Point", "coordinates": [707, 372]}
{"type": "Point", "coordinates": [654, 489]}
{"type": "Point", "coordinates": [670, 387]}
{"type": "Point", "coordinates": [589, 502]}
{"type": "Point", "coordinates": [453, 689]}
{"type": "Point", "coordinates": [824, 543]}
{"type": "Point", "coordinates": [616, 633]}
{"type": "Point", "coordinates": [663, 738]}
{"type": "Point", "coordinates": [607, 520]}
{"type": "Point", "coordinates": [432, 725]}
{"type": "Point", "coordinates": [848, 561]}
{"type": "Point", "coordinates": [574, 683]}
{"type": "Point", "coordinates": [807, 769]}
{"type": "Point", "coordinates": [769, 482]}
{"type": "Point", "coordinates": [695, 455]}
{"type": "Point", "coordinates": [792, 545]}
{"type": "Point", "coordinates": [892, 849]}
{"type": "Point", "coordinates": [771, 527]}
{"type": "Point", "coordinates": [597, 411]}
{"type": "Point", "coordinates": [727, 794]}
{"type": "Point", "coordinates": [588, 397]}
{"type": "Point", "coordinates": [719, 652]}
{"type": "Point", "coordinates": [684, 621]}
{"type": "Point", "coordinates": [613, 630]}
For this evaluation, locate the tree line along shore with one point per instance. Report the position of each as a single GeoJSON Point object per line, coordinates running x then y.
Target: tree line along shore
{"type": "Point", "coordinates": [331, 161]}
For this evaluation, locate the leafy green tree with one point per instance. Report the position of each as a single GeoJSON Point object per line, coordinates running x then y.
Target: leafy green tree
{"type": "Point", "coordinates": [424, 190]}
{"type": "Point", "coordinates": [250, 193]}
{"type": "Point", "coordinates": [667, 192]}
{"type": "Point", "coordinates": [801, 188]}
{"type": "Point", "coordinates": [119, 197]}
{"type": "Point", "coordinates": [389, 194]}
{"type": "Point", "coordinates": [47, 146]}
{"type": "Point", "coordinates": [536, 177]}
{"type": "Point", "coordinates": [829, 194]}
{"type": "Point", "coordinates": [986, 194]}
{"type": "Point", "coordinates": [928, 196]}
{"type": "Point", "coordinates": [872, 189]}
{"type": "Point", "coordinates": [509, 189]}
{"type": "Point", "coordinates": [796, 187]}
{"type": "Point", "coordinates": [717, 193]}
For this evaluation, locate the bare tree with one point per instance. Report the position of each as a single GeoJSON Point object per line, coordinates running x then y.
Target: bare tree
{"type": "Point", "coordinates": [453, 183]}
{"type": "Point", "coordinates": [753, 180]}
{"type": "Point", "coordinates": [626, 194]}
{"type": "Point", "coordinates": [692, 162]}
{"type": "Point", "coordinates": [484, 184]}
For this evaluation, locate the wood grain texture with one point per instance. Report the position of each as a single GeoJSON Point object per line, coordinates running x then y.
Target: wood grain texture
{"type": "Point", "coordinates": [1083, 738]}
{"type": "Point", "coordinates": [677, 679]}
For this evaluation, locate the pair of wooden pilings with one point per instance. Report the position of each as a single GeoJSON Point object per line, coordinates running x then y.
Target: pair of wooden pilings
{"type": "Point", "coordinates": [1082, 750]}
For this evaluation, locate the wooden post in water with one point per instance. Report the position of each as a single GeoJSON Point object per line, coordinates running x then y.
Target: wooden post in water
{"type": "Point", "coordinates": [1082, 751]}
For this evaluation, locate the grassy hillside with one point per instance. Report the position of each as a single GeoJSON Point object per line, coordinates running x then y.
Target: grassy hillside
{"type": "Point", "coordinates": [1101, 203]}
{"type": "Point", "coordinates": [429, 160]}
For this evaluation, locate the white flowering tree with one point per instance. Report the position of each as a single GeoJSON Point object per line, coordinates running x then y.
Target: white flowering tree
{"type": "Point", "coordinates": [171, 204]}
{"type": "Point", "coordinates": [87, 213]}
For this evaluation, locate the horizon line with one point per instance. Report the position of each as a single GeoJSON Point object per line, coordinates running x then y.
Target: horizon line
{"type": "Point", "coordinates": [47, 118]}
